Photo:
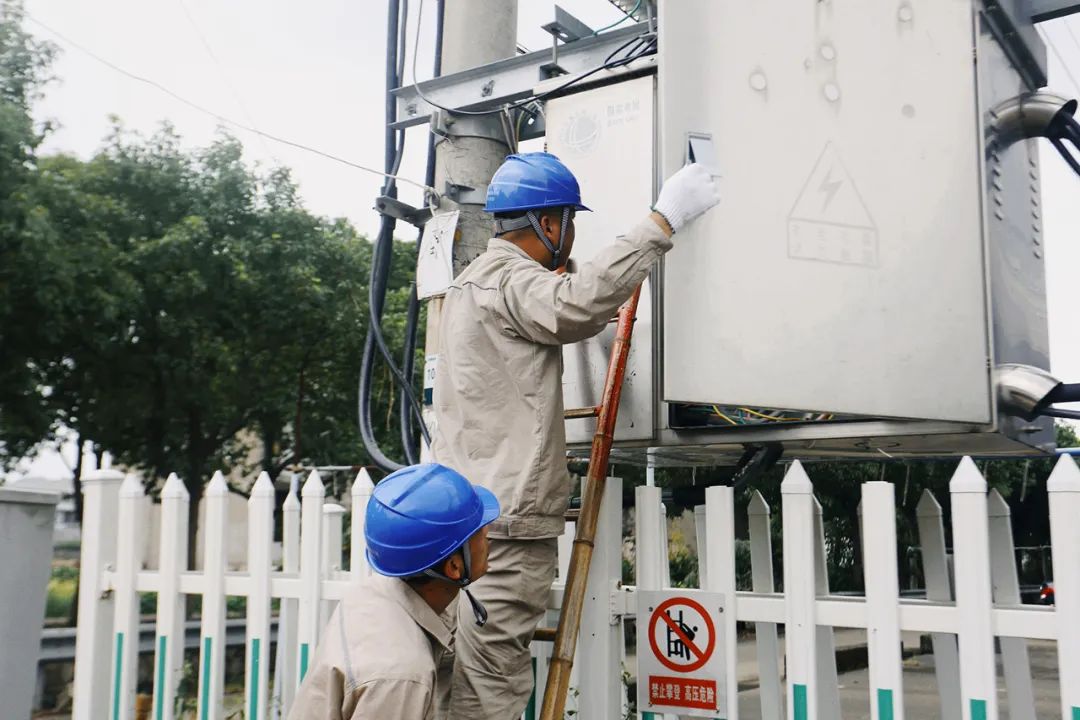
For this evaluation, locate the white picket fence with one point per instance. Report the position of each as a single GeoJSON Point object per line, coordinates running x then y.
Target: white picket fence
{"type": "Point", "coordinates": [963, 617]}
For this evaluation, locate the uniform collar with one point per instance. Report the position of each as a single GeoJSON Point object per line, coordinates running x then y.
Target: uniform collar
{"type": "Point", "coordinates": [496, 243]}
{"type": "Point", "coordinates": [438, 626]}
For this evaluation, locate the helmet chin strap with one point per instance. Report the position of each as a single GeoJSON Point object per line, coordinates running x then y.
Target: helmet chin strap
{"type": "Point", "coordinates": [479, 611]}
{"type": "Point", "coordinates": [531, 218]}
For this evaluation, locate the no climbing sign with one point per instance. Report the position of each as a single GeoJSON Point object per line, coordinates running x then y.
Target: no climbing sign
{"type": "Point", "coordinates": [680, 652]}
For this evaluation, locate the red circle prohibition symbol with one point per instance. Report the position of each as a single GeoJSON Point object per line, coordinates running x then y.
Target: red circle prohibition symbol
{"type": "Point", "coordinates": [702, 656]}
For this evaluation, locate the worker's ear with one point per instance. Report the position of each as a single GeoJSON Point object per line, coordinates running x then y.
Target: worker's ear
{"type": "Point", "coordinates": [454, 567]}
{"type": "Point", "coordinates": [549, 223]}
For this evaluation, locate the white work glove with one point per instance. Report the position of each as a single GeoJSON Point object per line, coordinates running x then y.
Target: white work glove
{"type": "Point", "coordinates": [687, 194]}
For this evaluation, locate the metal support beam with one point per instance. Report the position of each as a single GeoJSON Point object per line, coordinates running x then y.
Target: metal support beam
{"type": "Point", "coordinates": [1018, 38]}
{"type": "Point", "coordinates": [514, 78]}
{"type": "Point", "coordinates": [1043, 10]}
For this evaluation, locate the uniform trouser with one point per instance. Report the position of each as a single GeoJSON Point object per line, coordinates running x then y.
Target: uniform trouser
{"type": "Point", "coordinates": [493, 668]}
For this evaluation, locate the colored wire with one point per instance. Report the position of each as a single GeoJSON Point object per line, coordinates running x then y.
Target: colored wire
{"type": "Point", "coordinates": [627, 16]}
{"type": "Point", "coordinates": [773, 418]}
{"type": "Point", "coordinates": [716, 410]}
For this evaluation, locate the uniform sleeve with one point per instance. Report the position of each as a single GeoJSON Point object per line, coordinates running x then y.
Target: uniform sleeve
{"type": "Point", "coordinates": [552, 309]}
{"type": "Point", "coordinates": [399, 699]}
{"type": "Point", "coordinates": [321, 695]}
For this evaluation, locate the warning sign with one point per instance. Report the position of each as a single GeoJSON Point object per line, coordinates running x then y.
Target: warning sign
{"type": "Point", "coordinates": [830, 222]}
{"type": "Point", "coordinates": [680, 653]}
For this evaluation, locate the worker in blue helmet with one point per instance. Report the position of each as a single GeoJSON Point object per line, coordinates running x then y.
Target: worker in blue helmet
{"type": "Point", "coordinates": [498, 393]}
{"type": "Point", "coordinates": [386, 650]}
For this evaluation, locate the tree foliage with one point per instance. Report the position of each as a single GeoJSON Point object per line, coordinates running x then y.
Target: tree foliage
{"type": "Point", "coordinates": [31, 272]}
{"type": "Point", "coordinates": [175, 306]}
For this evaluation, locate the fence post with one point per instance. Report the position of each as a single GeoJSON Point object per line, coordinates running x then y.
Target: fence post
{"type": "Point", "coordinates": [649, 561]}
{"type": "Point", "coordinates": [212, 635]}
{"type": "Point", "coordinates": [333, 516]}
{"type": "Point", "coordinates": [125, 655]}
{"type": "Point", "coordinates": [800, 594]}
{"type": "Point", "coordinates": [172, 560]}
{"type": "Point", "coordinates": [882, 579]}
{"type": "Point", "coordinates": [1006, 588]}
{"type": "Point", "coordinates": [1064, 490]}
{"type": "Point", "coordinates": [93, 637]}
{"type": "Point", "coordinates": [971, 561]}
{"type": "Point", "coordinates": [765, 634]}
{"type": "Point", "coordinates": [260, 539]}
{"type": "Point", "coordinates": [285, 670]}
{"type": "Point", "coordinates": [700, 524]}
{"type": "Point", "coordinates": [600, 643]}
{"type": "Point", "coordinates": [828, 699]}
{"type": "Point", "coordinates": [311, 520]}
{"type": "Point", "coordinates": [939, 589]}
{"type": "Point", "coordinates": [362, 488]}
{"type": "Point", "coordinates": [720, 538]}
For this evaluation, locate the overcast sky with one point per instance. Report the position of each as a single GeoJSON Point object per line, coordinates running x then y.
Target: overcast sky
{"type": "Point", "coordinates": [312, 72]}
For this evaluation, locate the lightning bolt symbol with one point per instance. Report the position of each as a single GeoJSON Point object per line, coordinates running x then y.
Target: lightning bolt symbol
{"type": "Point", "coordinates": [830, 189]}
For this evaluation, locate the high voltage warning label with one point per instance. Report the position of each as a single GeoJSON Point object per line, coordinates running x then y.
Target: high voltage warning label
{"type": "Point", "coordinates": [830, 222]}
{"type": "Point", "coordinates": [680, 654]}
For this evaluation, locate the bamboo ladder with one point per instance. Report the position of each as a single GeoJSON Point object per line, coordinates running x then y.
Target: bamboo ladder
{"type": "Point", "coordinates": [566, 634]}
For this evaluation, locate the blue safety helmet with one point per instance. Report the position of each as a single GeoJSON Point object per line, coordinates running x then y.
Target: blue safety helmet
{"type": "Point", "coordinates": [528, 183]}
{"type": "Point", "coordinates": [418, 516]}
{"type": "Point", "coordinates": [532, 181]}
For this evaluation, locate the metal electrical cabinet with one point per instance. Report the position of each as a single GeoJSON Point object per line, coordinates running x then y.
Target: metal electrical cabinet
{"type": "Point", "coordinates": [871, 261]}
{"type": "Point", "coordinates": [875, 255]}
{"type": "Point", "coordinates": [606, 136]}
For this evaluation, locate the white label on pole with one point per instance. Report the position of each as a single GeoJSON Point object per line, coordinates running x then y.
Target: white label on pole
{"type": "Point", "coordinates": [430, 363]}
{"type": "Point", "coordinates": [435, 262]}
{"type": "Point", "coordinates": [680, 652]}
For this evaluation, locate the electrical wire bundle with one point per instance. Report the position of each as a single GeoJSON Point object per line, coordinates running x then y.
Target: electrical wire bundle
{"type": "Point", "coordinates": [1065, 127]}
{"type": "Point", "coordinates": [526, 109]}
{"type": "Point", "coordinates": [397, 14]}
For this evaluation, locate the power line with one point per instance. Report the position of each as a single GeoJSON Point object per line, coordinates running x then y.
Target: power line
{"type": "Point", "coordinates": [226, 80]}
{"type": "Point", "coordinates": [1068, 29]}
{"type": "Point", "coordinates": [1049, 41]}
{"type": "Point", "coordinates": [217, 116]}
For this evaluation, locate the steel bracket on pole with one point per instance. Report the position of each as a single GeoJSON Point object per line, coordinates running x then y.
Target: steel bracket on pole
{"type": "Point", "coordinates": [392, 207]}
{"type": "Point", "coordinates": [498, 83]}
{"type": "Point", "coordinates": [1018, 38]}
{"type": "Point", "coordinates": [446, 124]}
{"type": "Point", "coordinates": [466, 195]}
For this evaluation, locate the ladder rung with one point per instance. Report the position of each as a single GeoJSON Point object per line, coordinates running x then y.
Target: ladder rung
{"type": "Point", "coordinates": [572, 515]}
{"type": "Point", "coordinates": [583, 413]}
{"type": "Point", "coordinates": [544, 635]}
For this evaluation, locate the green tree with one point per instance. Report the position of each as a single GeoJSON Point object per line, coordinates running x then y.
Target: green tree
{"type": "Point", "coordinates": [33, 272]}
{"type": "Point", "coordinates": [222, 317]}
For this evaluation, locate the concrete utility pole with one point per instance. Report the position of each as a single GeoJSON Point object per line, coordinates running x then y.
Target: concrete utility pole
{"type": "Point", "coordinates": [470, 147]}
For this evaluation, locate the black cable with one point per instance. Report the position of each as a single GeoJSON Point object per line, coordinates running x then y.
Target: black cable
{"type": "Point", "coordinates": [1065, 154]}
{"type": "Point", "coordinates": [394, 147]}
{"type": "Point", "coordinates": [412, 315]}
{"type": "Point", "coordinates": [1065, 392]}
{"type": "Point", "coordinates": [1065, 127]}
{"type": "Point", "coordinates": [408, 363]}
{"type": "Point", "coordinates": [1061, 413]}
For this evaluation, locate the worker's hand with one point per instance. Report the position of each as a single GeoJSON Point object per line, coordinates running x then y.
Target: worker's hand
{"type": "Point", "coordinates": [686, 195]}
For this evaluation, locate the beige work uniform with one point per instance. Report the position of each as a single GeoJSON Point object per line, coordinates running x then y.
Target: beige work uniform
{"type": "Point", "coordinates": [499, 406]}
{"type": "Point", "coordinates": [380, 657]}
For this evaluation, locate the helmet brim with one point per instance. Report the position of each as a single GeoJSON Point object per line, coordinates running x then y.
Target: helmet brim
{"type": "Point", "coordinates": [490, 503]}
{"type": "Point", "coordinates": [525, 208]}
